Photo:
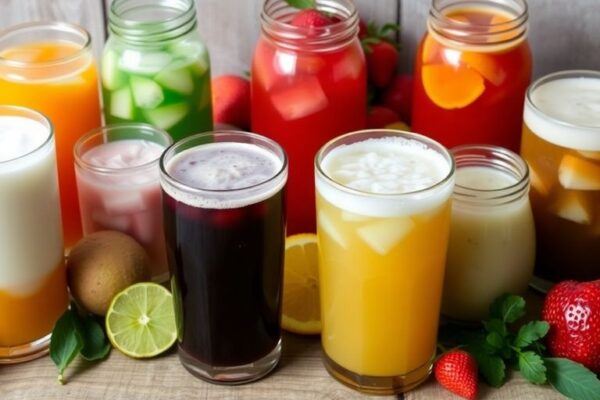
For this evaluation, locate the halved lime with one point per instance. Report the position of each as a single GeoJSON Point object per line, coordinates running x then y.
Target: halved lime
{"type": "Point", "coordinates": [140, 321]}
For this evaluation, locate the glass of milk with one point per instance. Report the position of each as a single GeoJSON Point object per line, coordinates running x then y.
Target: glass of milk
{"type": "Point", "coordinates": [491, 249]}
{"type": "Point", "coordinates": [33, 284]}
{"type": "Point", "coordinates": [118, 185]}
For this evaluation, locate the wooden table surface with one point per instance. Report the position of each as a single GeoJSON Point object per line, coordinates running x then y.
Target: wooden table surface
{"type": "Point", "coordinates": [300, 375]}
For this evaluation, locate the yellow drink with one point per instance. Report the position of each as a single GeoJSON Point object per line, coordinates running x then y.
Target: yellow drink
{"type": "Point", "coordinates": [383, 213]}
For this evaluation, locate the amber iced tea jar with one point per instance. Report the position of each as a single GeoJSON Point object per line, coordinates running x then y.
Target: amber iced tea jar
{"type": "Point", "coordinates": [472, 70]}
{"type": "Point", "coordinates": [308, 86]}
{"type": "Point", "coordinates": [561, 144]}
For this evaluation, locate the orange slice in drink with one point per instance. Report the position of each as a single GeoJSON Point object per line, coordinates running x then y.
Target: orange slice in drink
{"type": "Point", "coordinates": [301, 305]}
{"type": "Point", "coordinates": [485, 65]}
{"type": "Point", "coordinates": [452, 87]}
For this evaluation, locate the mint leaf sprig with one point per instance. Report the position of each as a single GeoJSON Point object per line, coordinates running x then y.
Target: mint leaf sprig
{"type": "Point", "coordinates": [496, 347]}
{"type": "Point", "coordinates": [75, 334]}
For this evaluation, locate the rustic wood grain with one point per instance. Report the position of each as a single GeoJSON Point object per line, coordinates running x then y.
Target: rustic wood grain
{"type": "Point", "coordinates": [86, 13]}
{"type": "Point", "coordinates": [300, 375]}
{"type": "Point", "coordinates": [562, 35]}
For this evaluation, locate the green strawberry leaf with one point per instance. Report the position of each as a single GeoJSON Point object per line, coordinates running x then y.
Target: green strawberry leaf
{"type": "Point", "coordinates": [496, 325]}
{"type": "Point", "coordinates": [302, 4]}
{"type": "Point", "coordinates": [491, 366]}
{"type": "Point", "coordinates": [508, 308]}
{"type": "Point", "coordinates": [495, 340]}
{"type": "Point", "coordinates": [96, 346]}
{"type": "Point", "coordinates": [572, 379]}
{"type": "Point", "coordinates": [530, 333]}
{"type": "Point", "coordinates": [66, 341]}
{"type": "Point", "coordinates": [532, 367]}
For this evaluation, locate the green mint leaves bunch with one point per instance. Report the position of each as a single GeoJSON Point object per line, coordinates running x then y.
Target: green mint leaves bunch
{"type": "Point", "coordinates": [497, 347]}
{"type": "Point", "coordinates": [75, 334]}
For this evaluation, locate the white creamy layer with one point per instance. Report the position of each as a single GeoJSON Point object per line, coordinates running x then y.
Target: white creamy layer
{"type": "Point", "coordinates": [228, 172]}
{"type": "Point", "coordinates": [388, 176]}
{"type": "Point", "coordinates": [30, 232]}
{"type": "Point", "coordinates": [573, 101]}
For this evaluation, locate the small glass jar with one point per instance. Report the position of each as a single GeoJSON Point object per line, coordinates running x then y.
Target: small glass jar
{"type": "Point", "coordinates": [491, 249]}
{"type": "Point", "coordinates": [155, 68]}
{"type": "Point", "coordinates": [309, 85]}
{"type": "Point", "coordinates": [471, 73]}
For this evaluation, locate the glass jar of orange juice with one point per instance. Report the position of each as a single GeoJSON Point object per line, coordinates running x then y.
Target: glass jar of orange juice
{"type": "Point", "coordinates": [49, 67]}
{"type": "Point", "coordinates": [472, 69]}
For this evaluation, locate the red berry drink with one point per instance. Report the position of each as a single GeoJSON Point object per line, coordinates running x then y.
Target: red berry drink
{"type": "Point", "coordinates": [308, 85]}
{"type": "Point", "coordinates": [224, 227]}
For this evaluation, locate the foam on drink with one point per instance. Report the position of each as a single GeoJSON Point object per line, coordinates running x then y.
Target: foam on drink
{"type": "Point", "coordinates": [384, 167]}
{"type": "Point", "coordinates": [570, 113]}
{"type": "Point", "coordinates": [230, 175]}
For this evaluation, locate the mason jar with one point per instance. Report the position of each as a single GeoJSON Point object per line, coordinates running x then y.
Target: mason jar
{"type": "Point", "coordinates": [491, 249]}
{"type": "Point", "coordinates": [309, 85]}
{"type": "Point", "coordinates": [155, 67]}
{"type": "Point", "coordinates": [471, 72]}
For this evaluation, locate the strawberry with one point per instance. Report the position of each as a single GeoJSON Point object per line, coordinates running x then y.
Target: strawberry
{"type": "Point", "coordinates": [381, 53]}
{"type": "Point", "coordinates": [231, 100]}
{"type": "Point", "coordinates": [456, 370]}
{"type": "Point", "coordinates": [310, 18]}
{"type": "Point", "coordinates": [573, 311]}
{"type": "Point", "coordinates": [363, 29]}
{"type": "Point", "coordinates": [398, 96]}
{"type": "Point", "coordinates": [379, 116]}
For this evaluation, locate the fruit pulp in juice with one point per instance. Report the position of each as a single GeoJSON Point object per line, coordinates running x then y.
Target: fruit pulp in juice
{"type": "Point", "coordinates": [302, 99]}
{"type": "Point", "coordinates": [226, 256]}
{"type": "Point", "coordinates": [471, 94]}
{"type": "Point", "coordinates": [381, 263]}
{"type": "Point", "coordinates": [128, 199]}
{"type": "Point", "coordinates": [564, 165]}
{"type": "Point", "coordinates": [167, 86]}
{"type": "Point", "coordinates": [68, 95]}
{"type": "Point", "coordinates": [33, 284]}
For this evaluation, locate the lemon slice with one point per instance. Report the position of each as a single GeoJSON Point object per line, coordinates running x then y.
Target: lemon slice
{"type": "Point", "coordinates": [140, 321]}
{"type": "Point", "coordinates": [301, 309]}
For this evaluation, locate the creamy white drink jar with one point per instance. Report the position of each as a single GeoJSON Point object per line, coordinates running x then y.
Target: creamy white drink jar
{"type": "Point", "coordinates": [491, 249]}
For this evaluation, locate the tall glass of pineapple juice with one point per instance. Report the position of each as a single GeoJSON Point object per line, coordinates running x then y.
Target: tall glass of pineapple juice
{"type": "Point", "coordinates": [383, 215]}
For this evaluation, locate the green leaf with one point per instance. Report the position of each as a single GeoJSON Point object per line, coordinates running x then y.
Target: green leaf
{"type": "Point", "coordinates": [66, 341]}
{"type": "Point", "coordinates": [495, 340]}
{"type": "Point", "coordinates": [95, 344]}
{"type": "Point", "coordinates": [532, 367]}
{"type": "Point", "coordinates": [572, 379]}
{"type": "Point", "coordinates": [530, 333]}
{"type": "Point", "coordinates": [491, 366]}
{"type": "Point", "coordinates": [508, 308]}
{"type": "Point", "coordinates": [496, 325]}
{"type": "Point", "coordinates": [302, 4]}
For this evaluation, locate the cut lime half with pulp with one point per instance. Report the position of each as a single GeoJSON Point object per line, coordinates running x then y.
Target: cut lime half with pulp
{"type": "Point", "coordinates": [140, 321]}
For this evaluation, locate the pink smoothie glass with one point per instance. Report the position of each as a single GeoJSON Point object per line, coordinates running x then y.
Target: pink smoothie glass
{"type": "Point", "coordinates": [118, 185]}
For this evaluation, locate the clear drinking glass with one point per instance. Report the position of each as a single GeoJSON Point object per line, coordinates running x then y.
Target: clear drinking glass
{"type": "Point", "coordinates": [383, 214]}
{"type": "Point", "coordinates": [118, 184]}
{"type": "Point", "coordinates": [33, 283]}
{"type": "Point", "coordinates": [223, 196]}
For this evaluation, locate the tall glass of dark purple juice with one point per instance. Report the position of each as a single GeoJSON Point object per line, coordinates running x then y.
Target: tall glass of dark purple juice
{"type": "Point", "coordinates": [224, 218]}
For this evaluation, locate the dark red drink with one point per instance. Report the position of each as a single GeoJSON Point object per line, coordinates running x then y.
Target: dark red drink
{"type": "Point", "coordinates": [225, 229]}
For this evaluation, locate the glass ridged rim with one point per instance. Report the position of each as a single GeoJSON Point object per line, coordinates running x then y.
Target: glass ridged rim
{"type": "Point", "coordinates": [170, 152]}
{"type": "Point", "coordinates": [431, 144]}
{"type": "Point", "coordinates": [103, 130]}
{"type": "Point", "coordinates": [64, 26]}
{"type": "Point", "coordinates": [18, 111]}
{"type": "Point", "coordinates": [516, 189]}
{"type": "Point", "coordinates": [554, 76]}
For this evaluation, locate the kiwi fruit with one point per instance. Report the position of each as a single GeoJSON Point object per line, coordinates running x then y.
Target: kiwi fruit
{"type": "Point", "coordinates": [101, 265]}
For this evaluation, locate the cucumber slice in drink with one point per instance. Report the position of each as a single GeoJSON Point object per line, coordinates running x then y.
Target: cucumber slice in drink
{"type": "Point", "coordinates": [147, 63]}
{"type": "Point", "coordinates": [112, 77]}
{"type": "Point", "coordinates": [166, 117]}
{"type": "Point", "coordinates": [146, 92]}
{"type": "Point", "coordinates": [176, 79]}
{"type": "Point", "coordinates": [121, 105]}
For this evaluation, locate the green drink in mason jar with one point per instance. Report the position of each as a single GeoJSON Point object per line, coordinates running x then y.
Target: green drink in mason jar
{"type": "Point", "coordinates": [155, 68]}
